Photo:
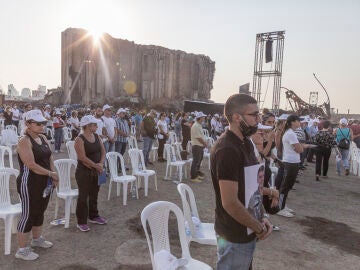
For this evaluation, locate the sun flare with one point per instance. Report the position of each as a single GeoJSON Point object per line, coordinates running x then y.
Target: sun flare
{"type": "Point", "coordinates": [96, 35]}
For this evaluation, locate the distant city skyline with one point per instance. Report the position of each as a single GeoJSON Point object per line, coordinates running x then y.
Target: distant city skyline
{"type": "Point", "coordinates": [321, 37]}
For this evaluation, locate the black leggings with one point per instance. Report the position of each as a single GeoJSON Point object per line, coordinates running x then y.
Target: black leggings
{"type": "Point", "coordinates": [290, 172]}
{"type": "Point", "coordinates": [322, 156]}
{"type": "Point", "coordinates": [87, 181]}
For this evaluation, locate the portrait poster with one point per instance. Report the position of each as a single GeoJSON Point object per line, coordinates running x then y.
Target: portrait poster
{"type": "Point", "coordinates": [254, 182]}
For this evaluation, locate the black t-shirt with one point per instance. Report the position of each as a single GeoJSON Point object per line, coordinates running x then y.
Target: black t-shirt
{"type": "Point", "coordinates": [229, 156]}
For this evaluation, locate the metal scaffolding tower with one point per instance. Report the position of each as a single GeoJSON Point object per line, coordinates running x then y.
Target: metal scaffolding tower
{"type": "Point", "coordinates": [263, 55]}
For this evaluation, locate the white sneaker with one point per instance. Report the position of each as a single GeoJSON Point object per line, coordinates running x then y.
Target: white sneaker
{"type": "Point", "coordinates": [41, 242]}
{"type": "Point", "coordinates": [26, 254]}
{"type": "Point", "coordinates": [289, 210]}
{"type": "Point", "coordinates": [285, 213]}
{"type": "Point", "coordinates": [56, 151]}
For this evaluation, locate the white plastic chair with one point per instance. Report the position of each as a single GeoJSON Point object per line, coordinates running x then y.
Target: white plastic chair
{"type": "Point", "coordinates": [50, 133]}
{"type": "Point", "coordinates": [139, 169]}
{"type": "Point", "coordinates": [354, 159]}
{"type": "Point", "coordinates": [3, 151]}
{"type": "Point", "coordinates": [188, 161]}
{"type": "Point", "coordinates": [2, 123]}
{"type": "Point", "coordinates": [70, 146]}
{"type": "Point", "coordinates": [172, 137]}
{"type": "Point", "coordinates": [156, 215]}
{"type": "Point", "coordinates": [12, 127]}
{"type": "Point", "coordinates": [206, 133]}
{"type": "Point", "coordinates": [210, 142]}
{"type": "Point", "coordinates": [9, 138]}
{"type": "Point", "coordinates": [64, 190]}
{"type": "Point", "coordinates": [132, 142]}
{"type": "Point", "coordinates": [202, 233]}
{"type": "Point", "coordinates": [133, 130]}
{"type": "Point", "coordinates": [112, 158]}
{"type": "Point", "coordinates": [66, 134]}
{"type": "Point", "coordinates": [154, 150]}
{"type": "Point", "coordinates": [8, 211]}
{"type": "Point", "coordinates": [173, 161]}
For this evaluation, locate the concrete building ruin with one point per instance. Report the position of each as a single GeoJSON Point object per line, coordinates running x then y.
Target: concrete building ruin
{"type": "Point", "coordinates": [117, 69]}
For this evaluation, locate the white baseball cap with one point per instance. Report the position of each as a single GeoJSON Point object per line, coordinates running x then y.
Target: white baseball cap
{"type": "Point", "coordinates": [106, 107]}
{"type": "Point", "coordinates": [199, 115]}
{"type": "Point", "coordinates": [57, 112]}
{"type": "Point", "coordinates": [216, 115]}
{"type": "Point", "coordinates": [121, 110]}
{"type": "Point", "coordinates": [88, 119]}
{"type": "Point", "coordinates": [283, 117]}
{"type": "Point", "coordinates": [264, 127]}
{"type": "Point", "coordinates": [35, 115]}
{"type": "Point", "coordinates": [343, 121]}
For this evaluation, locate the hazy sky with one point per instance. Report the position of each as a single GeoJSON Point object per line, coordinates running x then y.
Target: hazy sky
{"type": "Point", "coordinates": [321, 37]}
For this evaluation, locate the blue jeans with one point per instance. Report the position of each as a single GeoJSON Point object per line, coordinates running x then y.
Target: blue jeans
{"type": "Point", "coordinates": [109, 147]}
{"type": "Point", "coordinates": [58, 136]}
{"type": "Point", "coordinates": [120, 147]}
{"type": "Point", "coordinates": [148, 142]}
{"type": "Point", "coordinates": [234, 255]}
{"type": "Point", "coordinates": [344, 158]}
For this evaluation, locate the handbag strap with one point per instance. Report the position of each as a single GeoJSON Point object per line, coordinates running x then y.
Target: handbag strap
{"type": "Point", "coordinates": [346, 137]}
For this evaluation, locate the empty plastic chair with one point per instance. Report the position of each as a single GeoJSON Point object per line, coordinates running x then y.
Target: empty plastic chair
{"type": "Point", "coordinates": [173, 161]}
{"type": "Point", "coordinates": [202, 233]}
{"type": "Point", "coordinates": [132, 142]}
{"type": "Point", "coordinates": [70, 146]}
{"type": "Point", "coordinates": [64, 190]}
{"type": "Point", "coordinates": [67, 134]}
{"type": "Point", "coordinates": [8, 211]}
{"type": "Point", "coordinates": [12, 127]}
{"type": "Point", "coordinates": [3, 151]}
{"type": "Point", "coordinates": [155, 222]}
{"type": "Point", "coordinates": [113, 158]}
{"type": "Point", "coordinates": [139, 169]}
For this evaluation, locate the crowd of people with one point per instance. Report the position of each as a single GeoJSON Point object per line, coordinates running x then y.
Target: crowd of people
{"type": "Point", "coordinates": [243, 136]}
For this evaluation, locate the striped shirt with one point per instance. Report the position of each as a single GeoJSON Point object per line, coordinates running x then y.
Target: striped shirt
{"type": "Point", "coordinates": [123, 126]}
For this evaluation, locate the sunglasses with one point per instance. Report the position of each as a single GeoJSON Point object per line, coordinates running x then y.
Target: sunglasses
{"type": "Point", "coordinates": [38, 123]}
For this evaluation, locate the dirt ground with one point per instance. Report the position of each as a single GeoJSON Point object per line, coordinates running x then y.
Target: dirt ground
{"type": "Point", "coordinates": [325, 234]}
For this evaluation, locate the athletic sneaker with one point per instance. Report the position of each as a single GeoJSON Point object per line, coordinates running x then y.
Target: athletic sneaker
{"type": "Point", "coordinates": [26, 254]}
{"type": "Point", "coordinates": [196, 180]}
{"type": "Point", "coordinates": [98, 220]}
{"type": "Point", "coordinates": [83, 227]}
{"type": "Point", "coordinates": [276, 228]}
{"type": "Point", "coordinates": [289, 210]}
{"type": "Point", "coordinates": [201, 177]}
{"type": "Point", "coordinates": [285, 213]}
{"type": "Point", "coordinates": [41, 242]}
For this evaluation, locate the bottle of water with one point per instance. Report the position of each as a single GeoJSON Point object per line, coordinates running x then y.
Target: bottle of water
{"type": "Point", "coordinates": [48, 188]}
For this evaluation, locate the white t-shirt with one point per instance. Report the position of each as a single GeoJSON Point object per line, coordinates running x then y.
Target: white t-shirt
{"type": "Point", "coordinates": [110, 125]}
{"type": "Point", "coordinates": [75, 121]}
{"type": "Point", "coordinates": [164, 128]}
{"type": "Point", "coordinates": [16, 114]}
{"type": "Point", "coordinates": [288, 140]}
{"type": "Point", "coordinates": [100, 126]}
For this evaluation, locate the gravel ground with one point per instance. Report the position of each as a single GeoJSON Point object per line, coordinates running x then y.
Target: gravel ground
{"type": "Point", "coordinates": [325, 233]}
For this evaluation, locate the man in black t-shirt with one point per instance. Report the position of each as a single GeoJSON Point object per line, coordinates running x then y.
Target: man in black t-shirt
{"type": "Point", "coordinates": [231, 153]}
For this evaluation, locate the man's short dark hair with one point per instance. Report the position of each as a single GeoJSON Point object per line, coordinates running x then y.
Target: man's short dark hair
{"type": "Point", "coordinates": [236, 104]}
